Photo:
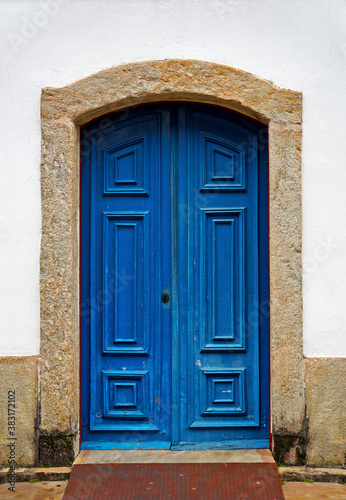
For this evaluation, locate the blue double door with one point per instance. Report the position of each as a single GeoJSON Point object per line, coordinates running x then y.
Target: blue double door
{"type": "Point", "coordinates": [174, 280]}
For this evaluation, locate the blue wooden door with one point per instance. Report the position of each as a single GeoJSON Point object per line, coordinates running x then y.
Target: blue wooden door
{"type": "Point", "coordinates": [174, 302]}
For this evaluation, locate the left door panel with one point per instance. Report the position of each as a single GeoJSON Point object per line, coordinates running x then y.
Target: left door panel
{"type": "Point", "coordinates": [125, 235]}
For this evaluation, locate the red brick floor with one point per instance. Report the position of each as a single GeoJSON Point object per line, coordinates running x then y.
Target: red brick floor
{"type": "Point", "coordinates": [54, 490]}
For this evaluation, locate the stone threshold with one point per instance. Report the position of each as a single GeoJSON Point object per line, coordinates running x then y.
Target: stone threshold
{"type": "Point", "coordinates": [317, 474]}
{"type": "Point", "coordinates": [291, 473]}
{"type": "Point", "coordinates": [26, 474]}
{"type": "Point", "coordinates": [173, 456]}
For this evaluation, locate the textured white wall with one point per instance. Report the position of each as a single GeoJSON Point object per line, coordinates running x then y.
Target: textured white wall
{"type": "Point", "coordinates": [300, 44]}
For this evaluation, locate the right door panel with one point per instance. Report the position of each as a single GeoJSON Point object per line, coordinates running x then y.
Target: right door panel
{"type": "Point", "coordinates": [222, 241]}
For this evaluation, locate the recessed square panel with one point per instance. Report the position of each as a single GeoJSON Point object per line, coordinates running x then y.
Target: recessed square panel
{"type": "Point", "coordinates": [223, 391]}
{"type": "Point", "coordinates": [125, 394]}
{"type": "Point", "coordinates": [125, 168]}
{"type": "Point", "coordinates": [221, 164]}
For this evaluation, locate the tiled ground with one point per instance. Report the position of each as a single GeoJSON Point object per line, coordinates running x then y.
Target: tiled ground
{"type": "Point", "coordinates": [54, 490]}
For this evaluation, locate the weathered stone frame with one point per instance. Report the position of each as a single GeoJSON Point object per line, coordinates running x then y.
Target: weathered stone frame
{"type": "Point", "coordinates": [64, 110]}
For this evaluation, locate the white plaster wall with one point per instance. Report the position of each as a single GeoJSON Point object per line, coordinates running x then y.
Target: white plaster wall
{"type": "Point", "coordinates": [297, 44]}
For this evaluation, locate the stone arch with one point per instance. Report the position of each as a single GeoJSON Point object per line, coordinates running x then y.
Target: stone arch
{"type": "Point", "coordinates": [63, 111]}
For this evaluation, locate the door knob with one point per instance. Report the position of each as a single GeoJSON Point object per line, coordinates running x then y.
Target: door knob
{"type": "Point", "coordinates": [165, 298]}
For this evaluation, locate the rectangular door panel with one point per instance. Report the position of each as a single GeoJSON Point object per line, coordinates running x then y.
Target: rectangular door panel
{"type": "Point", "coordinates": [126, 173]}
{"type": "Point", "coordinates": [222, 278]}
{"type": "Point", "coordinates": [220, 333]}
{"type": "Point", "coordinates": [126, 282]}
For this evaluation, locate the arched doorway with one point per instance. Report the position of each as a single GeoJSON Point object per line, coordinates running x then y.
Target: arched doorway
{"type": "Point", "coordinates": [174, 279]}
{"type": "Point", "coordinates": [63, 112]}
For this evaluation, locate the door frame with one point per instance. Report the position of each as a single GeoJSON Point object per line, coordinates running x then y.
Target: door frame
{"type": "Point", "coordinates": [64, 110]}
